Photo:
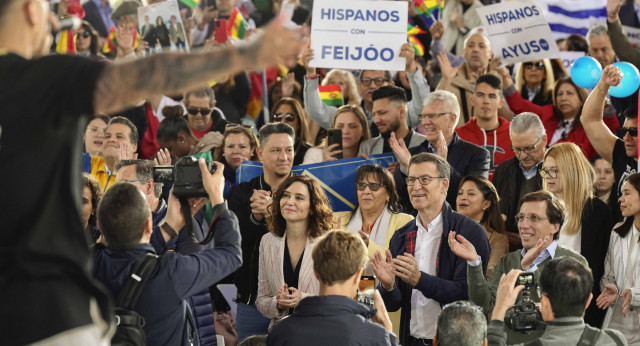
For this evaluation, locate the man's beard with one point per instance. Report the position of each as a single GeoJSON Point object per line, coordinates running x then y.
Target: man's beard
{"type": "Point", "coordinates": [393, 127]}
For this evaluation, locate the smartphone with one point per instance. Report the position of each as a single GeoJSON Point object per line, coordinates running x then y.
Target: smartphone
{"type": "Point", "coordinates": [335, 136]}
{"type": "Point", "coordinates": [221, 30]}
{"type": "Point", "coordinates": [366, 288]}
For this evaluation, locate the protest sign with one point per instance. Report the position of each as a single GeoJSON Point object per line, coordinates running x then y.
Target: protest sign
{"type": "Point", "coordinates": [568, 58]}
{"type": "Point", "coordinates": [518, 31]}
{"type": "Point", "coordinates": [336, 177]}
{"type": "Point", "coordinates": [359, 34]}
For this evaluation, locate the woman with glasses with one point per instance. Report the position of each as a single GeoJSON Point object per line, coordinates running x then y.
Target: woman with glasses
{"type": "Point", "coordinates": [94, 134]}
{"type": "Point", "coordinates": [299, 213]}
{"type": "Point", "coordinates": [621, 280]}
{"type": "Point", "coordinates": [290, 111]}
{"type": "Point", "coordinates": [479, 200]}
{"type": "Point", "coordinates": [568, 175]}
{"type": "Point", "coordinates": [561, 119]}
{"type": "Point", "coordinates": [534, 80]}
{"type": "Point", "coordinates": [87, 42]}
{"type": "Point", "coordinates": [355, 129]}
{"type": "Point", "coordinates": [239, 144]}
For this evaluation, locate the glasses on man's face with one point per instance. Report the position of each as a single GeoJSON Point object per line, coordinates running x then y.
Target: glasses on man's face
{"type": "Point", "coordinates": [432, 116]}
{"type": "Point", "coordinates": [378, 81]}
{"type": "Point", "coordinates": [533, 219]}
{"type": "Point", "coordinates": [551, 173]}
{"type": "Point", "coordinates": [85, 34]}
{"type": "Point", "coordinates": [195, 111]}
{"type": "Point", "coordinates": [526, 150]}
{"type": "Point", "coordinates": [423, 180]}
{"type": "Point", "coordinates": [283, 116]}
{"type": "Point", "coordinates": [372, 186]}
{"type": "Point", "coordinates": [233, 126]}
{"type": "Point", "coordinates": [529, 65]}
{"type": "Point", "coordinates": [633, 131]}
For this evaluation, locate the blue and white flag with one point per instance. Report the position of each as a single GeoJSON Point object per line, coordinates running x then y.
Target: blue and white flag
{"type": "Point", "coordinates": [336, 177]}
{"type": "Point", "coordinates": [568, 17]}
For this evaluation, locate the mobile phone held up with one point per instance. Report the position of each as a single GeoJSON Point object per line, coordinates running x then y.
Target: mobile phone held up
{"type": "Point", "coordinates": [335, 136]}
{"type": "Point", "coordinates": [220, 30]}
{"type": "Point", "coordinates": [366, 289]}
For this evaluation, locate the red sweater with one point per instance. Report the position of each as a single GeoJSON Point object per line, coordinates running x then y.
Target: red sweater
{"type": "Point", "coordinates": [577, 136]}
{"type": "Point", "coordinates": [497, 142]}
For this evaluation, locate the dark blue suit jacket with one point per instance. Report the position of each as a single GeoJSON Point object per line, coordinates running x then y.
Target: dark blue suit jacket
{"type": "Point", "coordinates": [92, 15]}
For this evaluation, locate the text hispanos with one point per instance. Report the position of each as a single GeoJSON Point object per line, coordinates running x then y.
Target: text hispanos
{"type": "Point", "coordinates": [506, 16]}
{"type": "Point", "coordinates": [362, 15]}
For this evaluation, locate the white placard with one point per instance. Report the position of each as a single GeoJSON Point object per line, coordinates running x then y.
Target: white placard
{"type": "Point", "coordinates": [633, 35]}
{"type": "Point", "coordinates": [359, 34]}
{"type": "Point", "coordinates": [518, 31]}
{"type": "Point", "coordinates": [568, 58]}
{"type": "Point", "coordinates": [152, 19]}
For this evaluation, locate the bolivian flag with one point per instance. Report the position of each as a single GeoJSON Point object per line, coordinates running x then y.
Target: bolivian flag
{"type": "Point", "coordinates": [417, 45]}
{"type": "Point", "coordinates": [237, 26]}
{"type": "Point", "coordinates": [414, 30]}
{"type": "Point", "coordinates": [66, 43]}
{"type": "Point", "coordinates": [331, 95]}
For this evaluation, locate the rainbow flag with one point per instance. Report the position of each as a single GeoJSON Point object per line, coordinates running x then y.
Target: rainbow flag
{"type": "Point", "coordinates": [66, 43]}
{"type": "Point", "coordinates": [112, 42]}
{"type": "Point", "coordinates": [429, 10]}
{"type": "Point", "coordinates": [414, 30]}
{"type": "Point", "coordinates": [417, 45]}
{"type": "Point", "coordinates": [331, 95]}
{"type": "Point", "coordinates": [190, 3]}
{"type": "Point", "coordinates": [237, 26]}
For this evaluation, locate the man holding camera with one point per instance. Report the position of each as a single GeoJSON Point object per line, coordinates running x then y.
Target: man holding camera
{"type": "Point", "coordinates": [565, 283]}
{"type": "Point", "coordinates": [539, 220]}
{"type": "Point", "coordinates": [125, 221]}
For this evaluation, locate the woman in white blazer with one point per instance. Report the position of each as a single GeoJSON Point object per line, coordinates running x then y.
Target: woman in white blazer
{"type": "Point", "coordinates": [621, 280]}
{"type": "Point", "coordinates": [299, 213]}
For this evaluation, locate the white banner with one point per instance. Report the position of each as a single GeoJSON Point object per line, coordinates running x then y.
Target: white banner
{"type": "Point", "coordinates": [518, 31]}
{"type": "Point", "coordinates": [568, 58]}
{"type": "Point", "coordinates": [359, 34]}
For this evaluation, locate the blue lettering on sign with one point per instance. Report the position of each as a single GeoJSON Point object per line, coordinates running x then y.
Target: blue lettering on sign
{"type": "Point", "coordinates": [370, 53]}
{"type": "Point", "coordinates": [525, 48]}
{"type": "Point", "coordinates": [507, 16]}
{"type": "Point", "coordinates": [359, 15]}
{"type": "Point", "coordinates": [358, 31]}
{"type": "Point", "coordinates": [516, 30]}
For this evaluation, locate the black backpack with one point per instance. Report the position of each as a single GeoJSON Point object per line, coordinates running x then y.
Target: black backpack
{"type": "Point", "coordinates": [130, 324]}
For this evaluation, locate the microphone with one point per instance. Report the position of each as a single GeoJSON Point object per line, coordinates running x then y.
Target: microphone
{"type": "Point", "coordinates": [70, 23]}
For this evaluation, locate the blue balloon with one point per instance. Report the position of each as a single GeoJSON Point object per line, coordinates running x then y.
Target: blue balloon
{"type": "Point", "coordinates": [629, 83]}
{"type": "Point", "coordinates": [585, 72]}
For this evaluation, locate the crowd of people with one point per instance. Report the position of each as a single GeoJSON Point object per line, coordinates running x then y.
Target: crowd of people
{"type": "Point", "coordinates": [510, 185]}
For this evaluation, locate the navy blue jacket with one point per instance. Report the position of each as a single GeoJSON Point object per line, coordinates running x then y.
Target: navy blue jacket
{"type": "Point", "coordinates": [330, 320]}
{"type": "Point", "coordinates": [177, 277]}
{"type": "Point", "coordinates": [450, 283]}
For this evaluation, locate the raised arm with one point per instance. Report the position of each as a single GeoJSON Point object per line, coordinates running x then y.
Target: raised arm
{"type": "Point", "coordinates": [601, 138]}
{"type": "Point", "coordinates": [122, 84]}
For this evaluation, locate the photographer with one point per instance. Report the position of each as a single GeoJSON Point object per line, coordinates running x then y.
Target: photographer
{"type": "Point", "coordinates": [539, 220]}
{"type": "Point", "coordinates": [125, 220]}
{"type": "Point", "coordinates": [566, 293]}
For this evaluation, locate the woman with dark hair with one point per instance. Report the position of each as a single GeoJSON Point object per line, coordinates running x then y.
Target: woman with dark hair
{"type": "Point", "coordinates": [94, 134]}
{"type": "Point", "coordinates": [479, 200]}
{"type": "Point", "coordinates": [232, 95]}
{"type": "Point", "coordinates": [290, 111]}
{"type": "Point", "coordinates": [91, 195]}
{"type": "Point", "coordinates": [161, 33]}
{"type": "Point", "coordinates": [239, 144]}
{"type": "Point", "coordinates": [299, 213]}
{"type": "Point", "coordinates": [175, 135]}
{"type": "Point", "coordinates": [87, 42]}
{"type": "Point", "coordinates": [605, 179]}
{"type": "Point", "coordinates": [621, 280]}
{"type": "Point", "coordinates": [561, 119]}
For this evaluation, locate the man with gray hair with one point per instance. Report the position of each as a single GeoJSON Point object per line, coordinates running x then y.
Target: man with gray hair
{"type": "Point", "coordinates": [202, 115]}
{"type": "Point", "coordinates": [519, 175]}
{"type": "Point", "coordinates": [461, 323]}
{"type": "Point", "coordinates": [440, 115]}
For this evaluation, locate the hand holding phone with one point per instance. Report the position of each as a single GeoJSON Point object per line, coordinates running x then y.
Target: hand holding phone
{"type": "Point", "coordinates": [220, 32]}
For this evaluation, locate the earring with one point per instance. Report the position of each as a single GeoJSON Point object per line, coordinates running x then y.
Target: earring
{"type": "Point", "coordinates": [182, 142]}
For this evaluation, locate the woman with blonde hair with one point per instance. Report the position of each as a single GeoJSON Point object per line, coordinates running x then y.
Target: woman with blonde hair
{"type": "Point", "coordinates": [347, 83]}
{"type": "Point", "coordinates": [534, 80]}
{"type": "Point", "coordinates": [569, 176]}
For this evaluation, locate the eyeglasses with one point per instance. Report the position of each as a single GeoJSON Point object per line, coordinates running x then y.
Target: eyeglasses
{"type": "Point", "coordinates": [529, 65]}
{"type": "Point", "coordinates": [85, 34]}
{"type": "Point", "coordinates": [372, 186]}
{"type": "Point", "coordinates": [233, 126]}
{"type": "Point", "coordinates": [378, 81]}
{"type": "Point", "coordinates": [527, 150]}
{"type": "Point", "coordinates": [195, 111]}
{"type": "Point", "coordinates": [551, 173]}
{"type": "Point", "coordinates": [533, 219]}
{"type": "Point", "coordinates": [423, 180]}
{"type": "Point", "coordinates": [283, 116]}
{"type": "Point", "coordinates": [96, 130]}
{"type": "Point", "coordinates": [432, 116]}
{"type": "Point", "coordinates": [633, 131]}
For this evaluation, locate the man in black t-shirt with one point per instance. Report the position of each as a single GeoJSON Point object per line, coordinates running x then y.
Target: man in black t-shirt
{"type": "Point", "coordinates": [46, 289]}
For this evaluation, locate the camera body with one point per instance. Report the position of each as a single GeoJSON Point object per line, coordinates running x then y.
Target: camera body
{"type": "Point", "coordinates": [185, 176]}
{"type": "Point", "coordinates": [524, 316]}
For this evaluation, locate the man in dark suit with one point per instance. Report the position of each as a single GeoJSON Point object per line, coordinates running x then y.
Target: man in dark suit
{"type": "Point", "coordinates": [176, 33]}
{"type": "Point", "coordinates": [97, 13]}
{"type": "Point", "coordinates": [439, 118]}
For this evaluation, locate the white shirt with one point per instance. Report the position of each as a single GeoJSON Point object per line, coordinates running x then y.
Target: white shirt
{"type": "Point", "coordinates": [571, 241]}
{"type": "Point", "coordinates": [425, 311]}
{"type": "Point", "coordinates": [563, 128]}
{"type": "Point", "coordinates": [634, 249]}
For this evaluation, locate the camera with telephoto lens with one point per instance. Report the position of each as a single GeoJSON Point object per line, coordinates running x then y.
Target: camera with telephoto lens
{"type": "Point", "coordinates": [524, 316]}
{"type": "Point", "coordinates": [185, 176]}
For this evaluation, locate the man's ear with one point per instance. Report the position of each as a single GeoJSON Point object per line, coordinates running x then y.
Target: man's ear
{"type": "Point", "coordinates": [546, 309]}
{"type": "Point", "coordinates": [259, 153]}
{"type": "Point", "coordinates": [588, 301]}
{"type": "Point", "coordinates": [31, 10]}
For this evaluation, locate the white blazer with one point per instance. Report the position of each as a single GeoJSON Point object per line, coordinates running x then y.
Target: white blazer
{"type": "Point", "coordinates": [614, 270]}
{"type": "Point", "coordinates": [271, 278]}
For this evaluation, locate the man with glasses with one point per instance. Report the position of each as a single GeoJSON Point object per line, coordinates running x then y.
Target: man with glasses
{"type": "Point", "coordinates": [420, 273]}
{"type": "Point", "coordinates": [539, 220]}
{"type": "Point", "coordinates": [202, 115]}
{"type": "Point", "coordinates": [439, 118]}
{"type": "Point", "coordinates": [519, 175]}
{"type": "Point", "coordinates": [368, 82]}
{"type": "Point", "coordinates": [461, 323]}
{"type": "Point", "coordinates": [621, 153]}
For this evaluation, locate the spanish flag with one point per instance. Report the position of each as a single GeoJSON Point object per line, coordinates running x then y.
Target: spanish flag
{"type": "Point", "coordinates": [417, 45]}
{"type": "Point", "coordinates": [237, 26]}
{"type": "Point", "coordinates": [112, 42]}
{"type": "Point", "coordinates": [331, 95]}
{"type": "Point", "coordinates": [66, 43]}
